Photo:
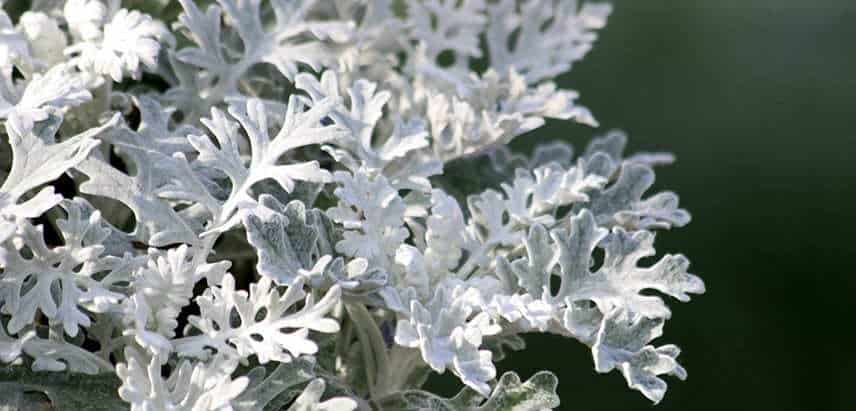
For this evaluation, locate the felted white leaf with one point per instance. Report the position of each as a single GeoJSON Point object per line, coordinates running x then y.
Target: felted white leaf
{"type": "Point", "coordinates": [622, 204]}
{"type": "Point", "coordinates": [618, 281]}
{"type": "Point", "coordinates": [473, 114]}
{"type": "Point", "coordinates": [264, 326]}
{"type": "Point", "coordinates": [300, 128]}
{"type": "Point", "coordinates": [158, 130]}
{"type": "Point", "coordinates": [285, 237]}
{"type": "Point", "coordinates": [164, 285]}
{"type": "Point", "coordinates": [622, 320]}
{"type": "Point", "coordinates": [44, 36]}
{"type": "Point", "coordinates": [37, 159]}
{"type": "Point", "coordinates": [470, 113]}
{"type": "Point", "coordinates": [148, 170]}
{"type": "Point", "coordinates": [150, 335]}
{"type": "Point", "coordinates": [191, 386]}
{"type": "Point", "coordinates": [11, 348]}
{"type": "Point", "coordinates": [373, 216]}
{"type": "Point", "coordinates": [55, 354]}
{"type": "Point", "coordinates": [445, 241]}
{"type": "Point", "coordinates": [149, 167]}
{"type": "Point", "coordinates": [58, 282]}
{"type": "Point", "coordinates": [85, 18]}
{"type": "Point", "coordinates": [170, 276]}
{"type": "Point", "coordinates": [310, 400]}
{"type": "Point", "coordinates": [525, 311]}
{"type": "Point", "coordinates": [416, 274]}
{"type": "Point", "coordinates": [293, 242]}
{"type": "Point", "coordinates": [534, 196]}
{"type": "Point", "coordinates": [371, 146]}
{"type": "Point", "coordinates": [441, 25]}
{"type": "Point", "coordinates": [542, 38]}
{"type": "Point", "coordinates": [14, 50]}
{"type": "Point", "coordinates": [558, 152]}
{"type": "Point", "coordinates": [58, 88]}
{"type": "Point", "coordinates": [48, 354]}
{"type": "Point", "coordinates": [489, 219]}
{"type": "Point", "coordinates": [294, 37]}
{"type": "Point", "coordinates": [449, 334]}
{"type": "Point", "coordinates": [129, 38]}
{"type": "Point", "coordinates": [622, 343]}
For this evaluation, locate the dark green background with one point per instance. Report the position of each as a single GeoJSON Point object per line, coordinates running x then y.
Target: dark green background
{"type": "Point", "coordinates": [756, 99]}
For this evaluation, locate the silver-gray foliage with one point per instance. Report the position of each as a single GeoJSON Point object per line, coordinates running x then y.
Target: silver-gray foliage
{"type": "Point", "coordinates": [241, 205]}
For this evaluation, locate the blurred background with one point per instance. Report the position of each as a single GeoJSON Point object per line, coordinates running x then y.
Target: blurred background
{"type": "Point", "coordinates": [756, 100]}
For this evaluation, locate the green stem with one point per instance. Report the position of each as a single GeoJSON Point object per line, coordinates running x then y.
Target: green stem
{"type": "Point", "coordinates": [375, 357]}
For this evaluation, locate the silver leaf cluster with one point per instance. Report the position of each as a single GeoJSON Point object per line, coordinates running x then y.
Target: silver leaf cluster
{"type": "Point", "coordinates": [242, 204]}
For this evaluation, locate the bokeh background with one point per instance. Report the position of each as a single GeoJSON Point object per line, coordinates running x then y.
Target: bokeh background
{"type": "Point", "coordinates": [756, 100]}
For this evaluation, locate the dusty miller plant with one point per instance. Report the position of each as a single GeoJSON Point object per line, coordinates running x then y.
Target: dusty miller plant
{"type": "Point", "coordinates": [241, 205]}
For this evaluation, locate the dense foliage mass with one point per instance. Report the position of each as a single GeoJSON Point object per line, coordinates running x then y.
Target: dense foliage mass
{"type": "Point", "coordinates": [240, 205]}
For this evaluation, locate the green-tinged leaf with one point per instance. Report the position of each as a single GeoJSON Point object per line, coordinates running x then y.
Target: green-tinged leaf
{"type": "Point", "coordinates": [510, 394]}
{"type": "Point", "coordinates": [22, 389]}
{"type": "Point", "coordinates": [273, 390]}
{"type": "Point", "coordinates": [502, 345]}
{"type": "Point", "coordinates": [284, 237]}
{"type": "Point", "coordinates": [310, 400]}
{"type": "Point", "coordinates": [374, 355]}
